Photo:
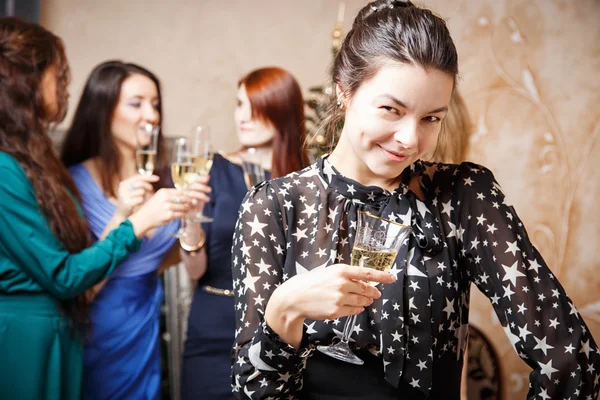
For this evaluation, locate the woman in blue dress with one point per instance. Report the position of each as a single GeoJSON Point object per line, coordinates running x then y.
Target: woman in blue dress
{"type": "Point", "coordinates": [269, 119]}
{"type": "Point", "coordinates": [121, 353]}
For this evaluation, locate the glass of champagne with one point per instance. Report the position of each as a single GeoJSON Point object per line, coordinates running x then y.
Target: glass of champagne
{"type": "Point", "coordinates": [254, 173]}
{"type": "Point", "coordinates": [182, 172]}
{"type": "Point", "coordinates": [202, 157]}
{"type": "Point", "coordinates": [376, 244]}
{"type": "Point", "coordinates": [146, 148]}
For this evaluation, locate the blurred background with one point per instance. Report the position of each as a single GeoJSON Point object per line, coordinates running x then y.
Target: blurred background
{"type": "Point", "coordinates": [530, 75]}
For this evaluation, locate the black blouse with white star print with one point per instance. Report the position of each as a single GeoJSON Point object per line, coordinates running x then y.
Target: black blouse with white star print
{"type": "Point", "coordinates": [464, 231]}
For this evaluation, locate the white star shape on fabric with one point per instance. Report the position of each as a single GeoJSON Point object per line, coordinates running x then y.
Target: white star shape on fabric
{"type": "Point", "coordinates": [246, 207]}
{"type": "Point", "coordinates": [415, 383]}
{"type": "Point", "coordinates": [300, 233]}
{"type": "Point", "coordinates": [547, 369]}
{"type": "Point", "coordinates": [351, 189]}
{"type": "Point", "coordinates": [569, 349]}
{"type": "Point", "coordinates": [541, 344]}
{"type": "Point", "coordinates": [263, 267]}
{"type": "Point", "coordinates": [533, 265]}
{"type": "Point", "coordinates": [449, 309]}
{"type": "Point", "coordinates": [585, 348]}
{"type": "Point", "coordinates": [512, 273]}
{"type": "Point", "coordinates": [447, 207]}
{"type": "Point", "coordinates": [309, 210]}
{"type": "Point", "coordinates": [249, 281]}
{"type": "Point", "coordinates": [512, 248]}
{"type": "Point", "coordinates": [257, 227]}
{"type": "Point", "coordinates": [523, 332]}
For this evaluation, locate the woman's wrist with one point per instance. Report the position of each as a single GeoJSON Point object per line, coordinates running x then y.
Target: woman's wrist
{"type": "Point", "coordinates": [284, 319]}
{"type": "Point", "coordinates": [140, 224]}
{"type": "Point", "coordinates": [192, 242]}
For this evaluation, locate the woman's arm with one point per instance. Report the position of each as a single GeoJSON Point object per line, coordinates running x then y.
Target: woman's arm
{"type": "Point", "coordinates": [539, 318]}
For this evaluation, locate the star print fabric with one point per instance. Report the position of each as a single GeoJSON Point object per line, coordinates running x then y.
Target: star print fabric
{"type": "Point", "coordinates": [464, 231]}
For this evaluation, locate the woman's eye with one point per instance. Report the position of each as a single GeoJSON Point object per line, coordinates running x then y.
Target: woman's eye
{"type": "Point", "coordinates": [389, 109]}
{"type": "Point", "coordinates": [431, 118]}
{"type": "Point", "coordinates": [135, 104]}
{"type": "Point", "coordinates": [156, 107]}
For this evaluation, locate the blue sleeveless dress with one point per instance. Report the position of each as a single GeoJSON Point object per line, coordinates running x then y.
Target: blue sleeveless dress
{"type": "Point", "coordinates": [121, 353]}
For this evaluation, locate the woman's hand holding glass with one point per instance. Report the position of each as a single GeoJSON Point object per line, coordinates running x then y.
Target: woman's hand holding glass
{"type": "Point", "coordinates": [164, 206]}
{"type": "Point", "coordinates": [132, 193]}
{"type": "Point", "coordinates": [325, 293]}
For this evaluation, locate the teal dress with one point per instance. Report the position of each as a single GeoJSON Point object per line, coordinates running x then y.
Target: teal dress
{"type": "Point", "coordinates": [41, 355]}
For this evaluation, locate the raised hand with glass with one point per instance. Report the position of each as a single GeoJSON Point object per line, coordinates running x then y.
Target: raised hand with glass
{"type": "Point", "coordinates": [183, 171]}
{"type": "Point", "coordinates": [146, 139]}
{"type": "Point", "coordinates": [376, 244]}
{"type": "Point", "coordinates": [202, 157]}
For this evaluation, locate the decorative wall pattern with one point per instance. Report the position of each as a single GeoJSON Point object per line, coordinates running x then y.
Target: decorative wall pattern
{"type": "Point", "coordinates": [530, 74]}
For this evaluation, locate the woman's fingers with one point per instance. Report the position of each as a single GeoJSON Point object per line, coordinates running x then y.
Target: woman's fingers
{"type": "Point", "coordinates": [368, 274]}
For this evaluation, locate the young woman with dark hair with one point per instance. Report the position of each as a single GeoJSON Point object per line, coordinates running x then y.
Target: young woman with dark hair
{"type": "Point", "coordinates": [270, 125]}
{"type": "Point", "coordinates": [294, 288]}
{"type": "Point", "coordinates": [121, 350]}
{"type": "Point", "coordinates": [47, 260]}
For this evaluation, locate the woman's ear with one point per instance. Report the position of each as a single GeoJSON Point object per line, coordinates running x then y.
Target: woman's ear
{"type": "Point", "coordinates": [341, 97]}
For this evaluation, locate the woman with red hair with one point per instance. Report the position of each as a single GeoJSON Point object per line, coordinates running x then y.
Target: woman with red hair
{"type": "Point", "coordinates": [269, 118]}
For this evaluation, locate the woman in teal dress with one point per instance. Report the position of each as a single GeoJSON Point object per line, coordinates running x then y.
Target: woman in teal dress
{"type": "Point", "coordinates": [46, 261]}
{"type": "Point", "coordinates": [121, 352]}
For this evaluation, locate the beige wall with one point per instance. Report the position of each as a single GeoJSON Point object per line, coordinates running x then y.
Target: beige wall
{"type": "Point", "coordinates": [530, 75]}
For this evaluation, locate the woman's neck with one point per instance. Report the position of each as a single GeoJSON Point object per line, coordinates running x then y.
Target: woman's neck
{"type": "Point", "coordinates": [258, 155]}
{"type": "Point", "coordinates": [347, 162]}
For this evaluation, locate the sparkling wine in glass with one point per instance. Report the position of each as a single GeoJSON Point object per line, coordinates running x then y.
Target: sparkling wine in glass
{"type": "Point", "coordinates": [254, 173]}
{"type": "Point", "coordinates": [183, 172]}
{"type": "Point", "coordinates": [202, 157]}
{"type": "Point", "coordinates": [376, 245]}
{"type": "Point", "coordinates": [146, 148]}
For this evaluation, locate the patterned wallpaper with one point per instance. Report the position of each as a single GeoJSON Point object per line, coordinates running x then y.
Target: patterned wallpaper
{"type": "Point", "coordinates": [530, 74]}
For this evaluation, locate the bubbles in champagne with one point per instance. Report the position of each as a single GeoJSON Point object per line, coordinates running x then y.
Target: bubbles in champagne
{"type": "Point", "coordinates": [145, 160]}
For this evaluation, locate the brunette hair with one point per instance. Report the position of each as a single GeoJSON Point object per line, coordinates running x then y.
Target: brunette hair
{"type": "Point", "coordinates": [27, 53]}
{"type": "Point", "coordinates": [389, 31]}
{"type": "Point", "coordinates": [276, 98]}
{"type": "Point", "coordinates": [90, 132]}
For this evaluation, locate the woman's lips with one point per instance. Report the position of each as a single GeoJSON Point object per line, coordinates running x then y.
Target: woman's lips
{"type": "Point", "coordinates": [393, 156]}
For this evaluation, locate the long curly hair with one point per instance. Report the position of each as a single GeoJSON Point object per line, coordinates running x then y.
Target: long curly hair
{"type": "Point", "coordinates": [28, 53]}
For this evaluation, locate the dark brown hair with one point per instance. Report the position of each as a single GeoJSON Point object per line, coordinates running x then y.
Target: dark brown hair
{"type": "Point", "coordinates": [90, 132]}
{"type": "Point", "coordinates": [389, 31]}
{"type": "Point", "coordinates": [27, 51]}
{"type": "Point", "coordinates": [276, 98]}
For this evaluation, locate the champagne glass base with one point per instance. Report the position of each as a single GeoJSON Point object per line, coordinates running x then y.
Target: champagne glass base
{"type": "Point", "coordinates": [341, 351]}
{"type": "Point", "coordinates": [201, 218]}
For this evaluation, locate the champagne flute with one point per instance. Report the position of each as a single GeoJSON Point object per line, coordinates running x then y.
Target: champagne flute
{"type": "Point", "coordinates": [376, 244]}
{"type": "Point", "coordinates": [202, 157]}
{"type": "Point", "coordinates": [146, 140]}
{"type": "Point", "coordinates": [182, 172]}
{"type": "Point", "coordinates": [254, 173]}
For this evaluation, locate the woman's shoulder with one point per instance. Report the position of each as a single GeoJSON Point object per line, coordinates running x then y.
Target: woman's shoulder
{"type": "Point", "coordinates": [8, 161]}
{"type": "Point", "coordinates": [83, 171]}
{"type": "Point", "coordinates": [466, 179]}
{"type": "Point", "coordinates": [12, 169]}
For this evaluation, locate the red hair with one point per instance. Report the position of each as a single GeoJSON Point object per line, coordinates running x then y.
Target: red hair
{"type": "Point", "coordinates": [276, 98]}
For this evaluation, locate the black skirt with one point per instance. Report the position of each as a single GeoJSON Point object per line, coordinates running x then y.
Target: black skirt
{"type": "Point", "coordinates": [326, 378]}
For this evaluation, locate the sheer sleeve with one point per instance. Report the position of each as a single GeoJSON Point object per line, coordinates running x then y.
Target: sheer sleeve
{"type": "Point", "coordinates": [264, 367]}
{"type": "Point", "coordinates": [538, 317]}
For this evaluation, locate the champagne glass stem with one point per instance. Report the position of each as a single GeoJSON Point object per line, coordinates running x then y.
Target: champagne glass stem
{"type": "Point", "coordinates": [348, 328]}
